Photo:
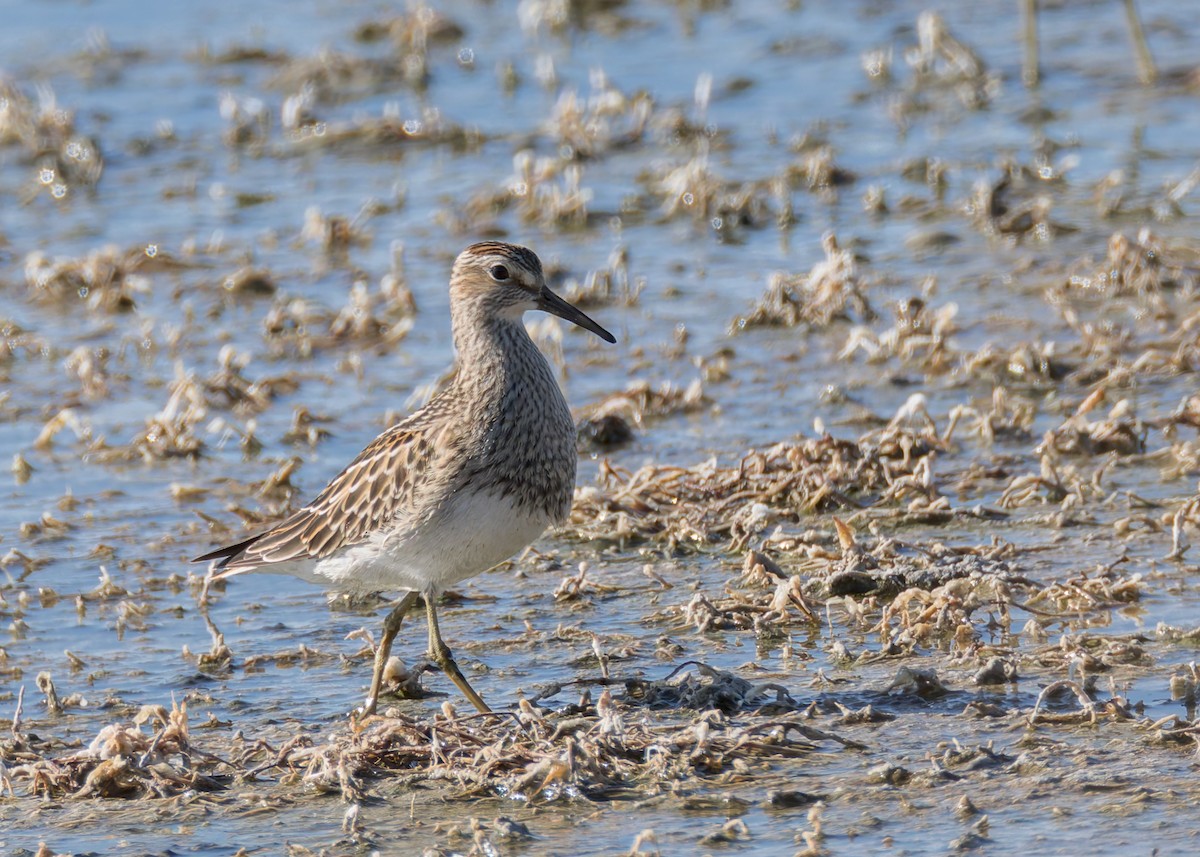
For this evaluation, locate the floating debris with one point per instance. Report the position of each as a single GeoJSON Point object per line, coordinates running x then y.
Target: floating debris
{"type": "Point", "coordinates": [171, 432]}
{"type": "Point", "coordinates": [230, 387]}
{"type": "Point", "coordinates": [1143, 267]}
{"type": "Point", "coordinates": [604, 286]}
{"type": "Point", "coordinates": [62, 159]}
{"type": "Point", "coordinates": [710, 504]}
{"type": "Point", "coordinates": [107, 280]}
{"type": "Point", "coordinates": [606, 121]}
{"type": "Point", "coordinates": [611, 422]}
{"type": "Point", "coordinates": [250, 282]}
{"type": "Point", "coordinates": [122, 761]}
{"type": "Point", "coordinates": [831, 291]}
{"type": "Point", "coordinates": [942, 59]}
{"type": "Point", "coordinates": [600, 751]}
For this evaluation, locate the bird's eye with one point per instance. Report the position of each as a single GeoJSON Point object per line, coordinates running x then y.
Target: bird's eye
{"type": "Point", "coordinates": [499, 273]}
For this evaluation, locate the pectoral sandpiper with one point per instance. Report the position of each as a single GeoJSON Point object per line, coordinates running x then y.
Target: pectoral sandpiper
{"type": "Point", "coordinates": [462, 484]}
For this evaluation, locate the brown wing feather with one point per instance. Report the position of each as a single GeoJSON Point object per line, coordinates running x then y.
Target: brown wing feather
{"type": "Point", "coordinates": [377, 487]}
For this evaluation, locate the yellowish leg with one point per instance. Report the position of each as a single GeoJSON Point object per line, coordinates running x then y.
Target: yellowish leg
{"type": "Point", "coordinates": [439, 653]}
{"type": "Point", "coordinates": [391, 627]}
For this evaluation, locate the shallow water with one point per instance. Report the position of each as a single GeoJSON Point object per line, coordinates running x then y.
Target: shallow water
{"type": "Point", "coordinates": [145, 83]}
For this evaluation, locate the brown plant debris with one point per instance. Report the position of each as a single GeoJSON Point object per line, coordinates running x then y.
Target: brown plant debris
{"type": "Point", "coordinates": [610, 422]}
{"type": "Point", "coordinates": [1143, 266]}
{"type": "Point", "coordinates": [63, 159]}
{"type": "Point", "coordinates": [712, 504]}
{"type": "Point", "coordinates": [606, 750]}
{"type": "Point", "coordinates": [941, 59]}
{"type": "Point", "coordinates": [107, 280]}
{"type": "Point", "coordinates": [605, 121]}
{"type": "Point", "coordinates": [831, 291]}
{"type": "Point", "coordinates": [122, 761]}
{"type": "Point", "coordinates": [601, 751]}
{"type": "Point", "coordinates": [230, 384]}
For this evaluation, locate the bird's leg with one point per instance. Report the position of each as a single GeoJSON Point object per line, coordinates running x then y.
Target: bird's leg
{"type": "Point", "coordinates": [439, 653]}
{"type": "Point", "coordinates": [391, 627]}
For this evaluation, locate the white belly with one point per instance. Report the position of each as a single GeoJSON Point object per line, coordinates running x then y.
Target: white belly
{"type": "Point", "coordinates": [473, 533]}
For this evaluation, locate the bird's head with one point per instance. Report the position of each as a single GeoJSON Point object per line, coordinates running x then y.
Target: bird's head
{"type": "Point", "coordinates": [506, 280]}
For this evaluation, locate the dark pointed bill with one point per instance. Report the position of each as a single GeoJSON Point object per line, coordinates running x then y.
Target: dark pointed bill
{"type": "Point", "coordinates": [555, 305]}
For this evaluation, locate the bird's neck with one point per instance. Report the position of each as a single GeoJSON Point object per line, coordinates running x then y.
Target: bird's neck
{"type": "Point", "coordinates": [484, 339]}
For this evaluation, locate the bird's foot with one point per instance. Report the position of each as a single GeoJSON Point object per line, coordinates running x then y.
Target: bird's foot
{"type": "Point", "coordinates": [449, 667]}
